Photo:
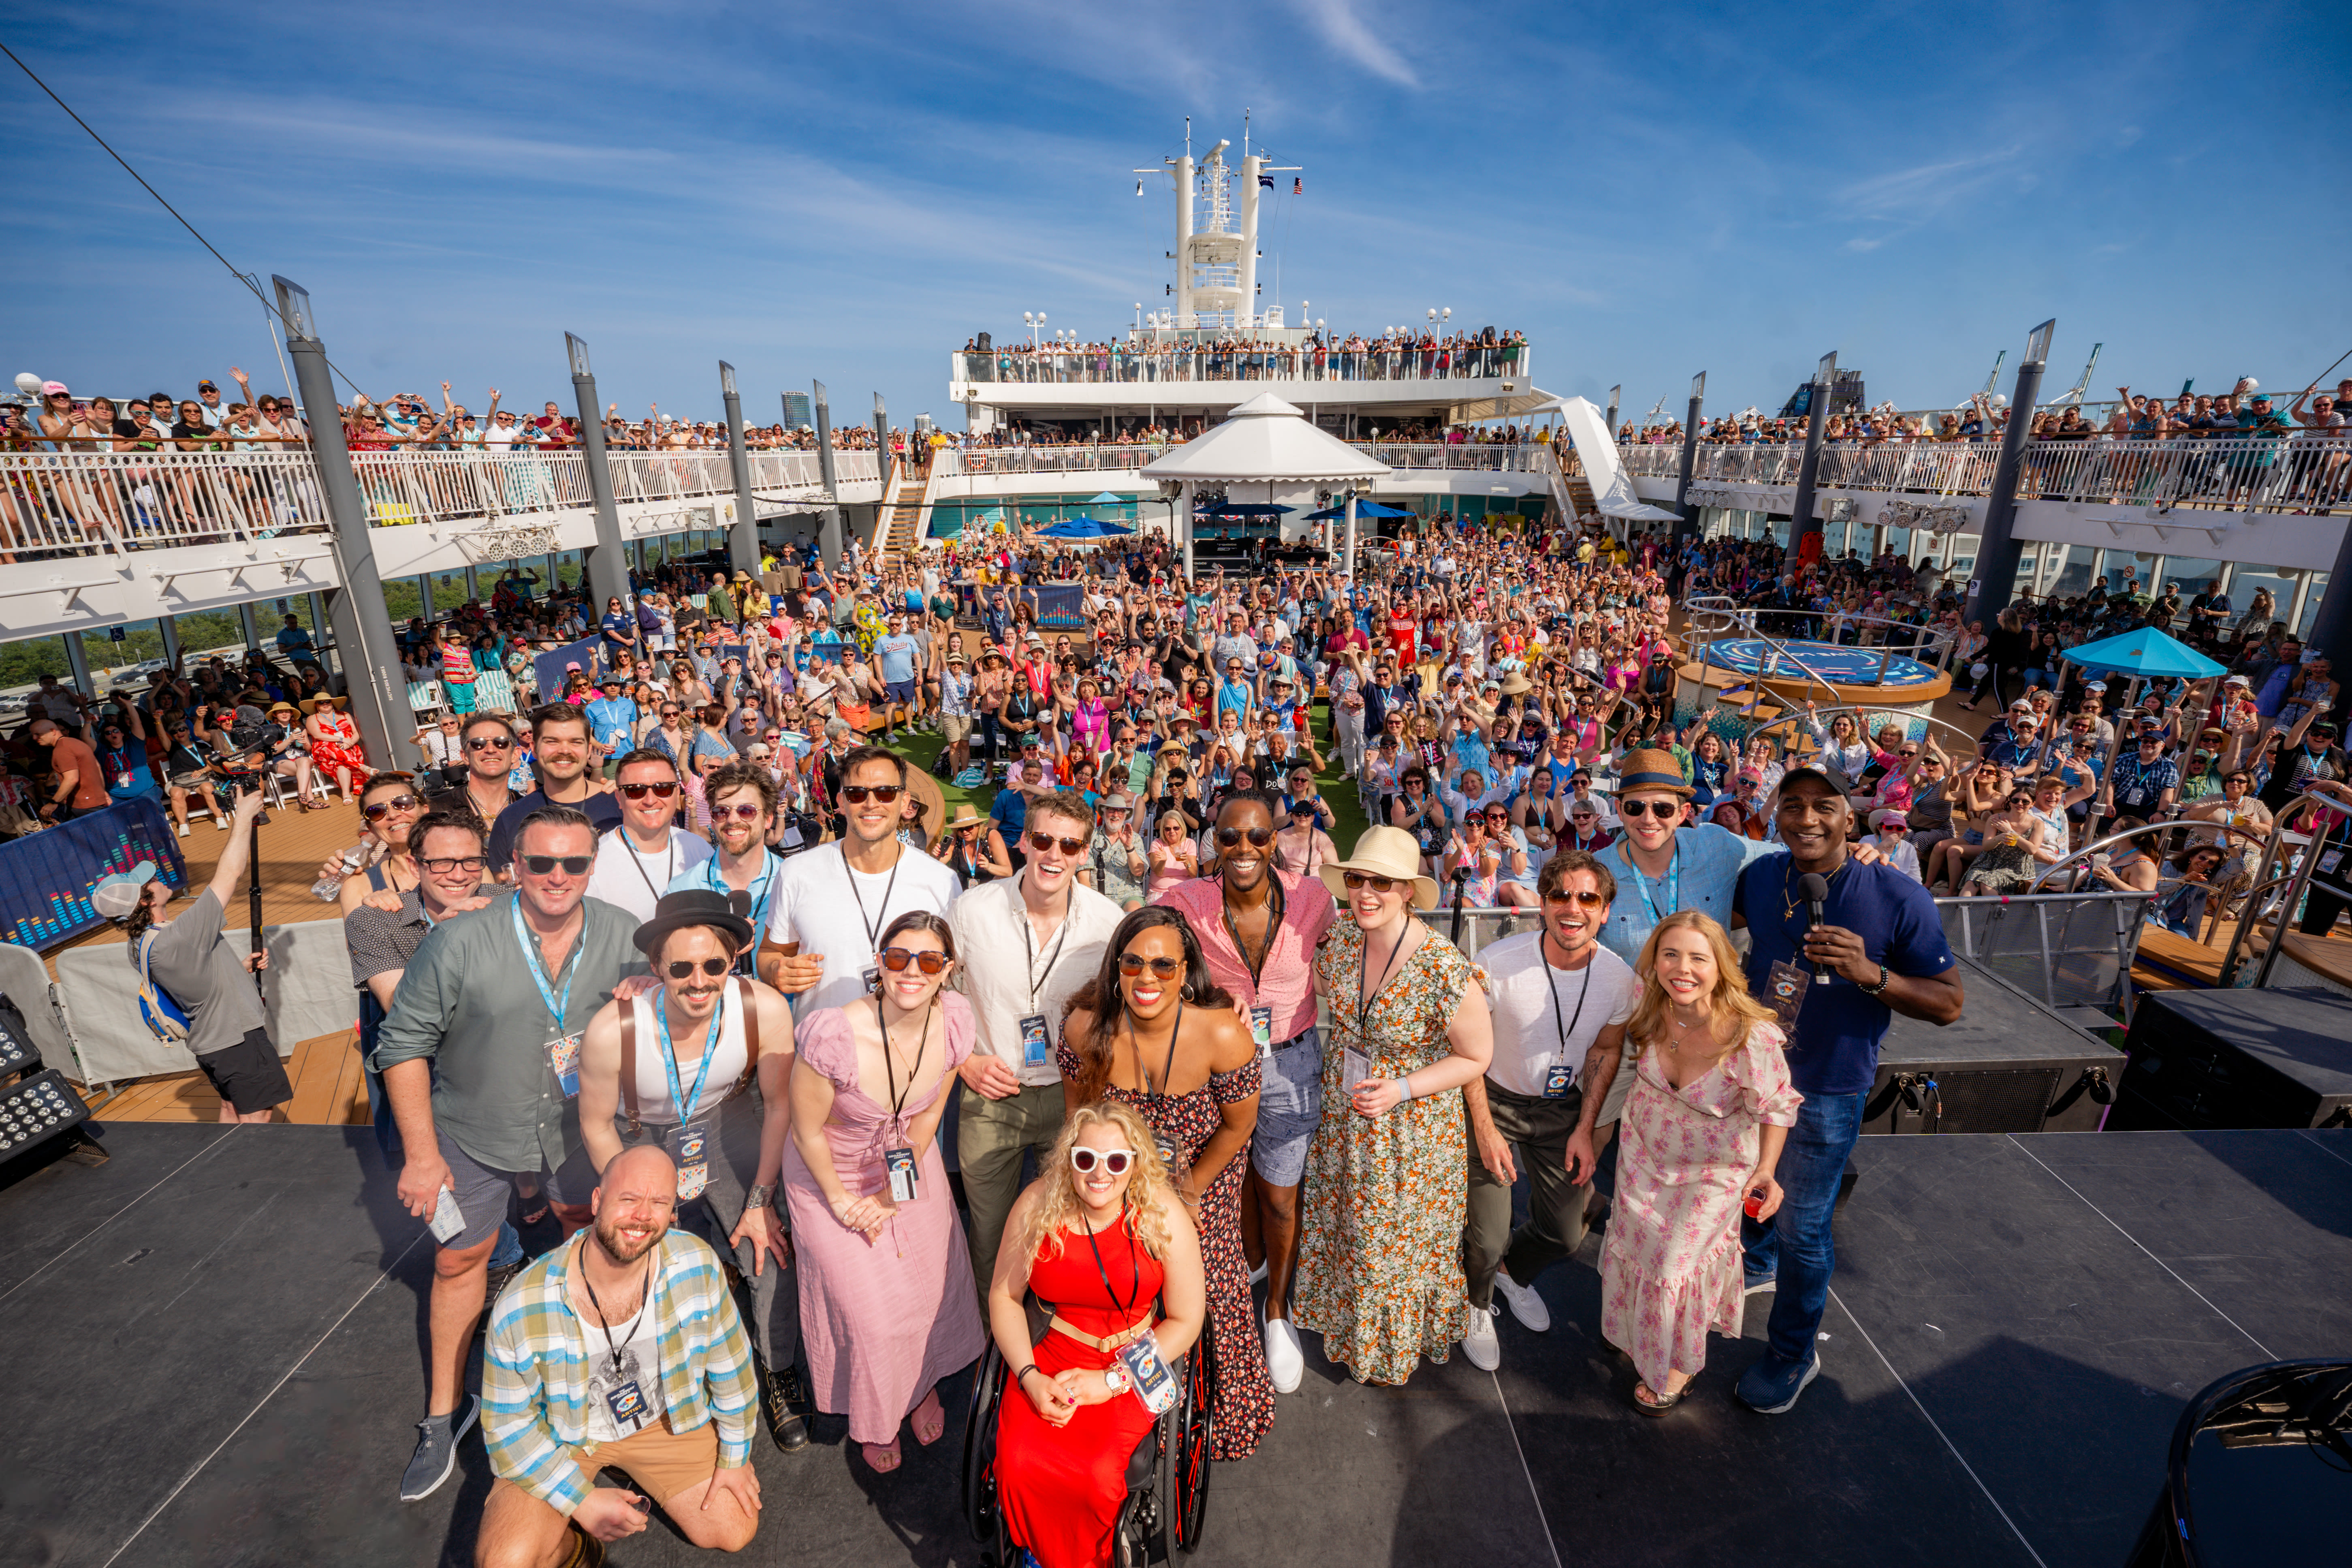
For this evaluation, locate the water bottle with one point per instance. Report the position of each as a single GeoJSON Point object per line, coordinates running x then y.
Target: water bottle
{"type": "Point", "coordinates": [326, 889]}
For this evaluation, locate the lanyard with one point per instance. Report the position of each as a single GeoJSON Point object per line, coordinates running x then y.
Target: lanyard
{"type": "Point", "coordinates": [1168, 1069]}
{"type": "Point", "coordinates": [688, 1104]}
{"type": "Point", "coordinates": [1673, 879]}
{"type": "Point", "coordinates": [1364, 999]}
{"type": "Point", "coordinates": [922, 1046]}
{"type": "Point", "coordinates": [645, 1299]}
{"type": "Point", "coordinates": [1273, 928]}
{"type": "Point", "coordinates": [1134, 1287]}
{"type": "Point", "coordinates": [1565, 1031]}
{"type": "Point", "coordinates": [873, 927]}
{"type": "Point", "coordinates": [558, 1006]}
{"type": "Point", "coordinates": [1028, 955]}
{"type": "Point", "coordinates": [670, 852]}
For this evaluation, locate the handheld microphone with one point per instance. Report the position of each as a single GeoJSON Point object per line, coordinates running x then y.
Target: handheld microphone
{"type": "Point", "coordinates": [1816, 889]}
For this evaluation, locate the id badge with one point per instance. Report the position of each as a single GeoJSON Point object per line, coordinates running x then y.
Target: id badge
{"type": "Point", "coordinates": [1355, 1067]}
{"type": "Point", "coordinates": [1559, 1078]}
{"type": "Point", "coordinates": [1784, 992]}
{"type": "Point", "coordinates": [906, 1183]}
{"type": "Point", "coordinates": [564, 1056]}
{"type": "Point", "coordinates": [872, 979]}
{"type": "Point", "coordinates": [689, 1148]}
{"type": "Point", "coordinates": [1262, 1031]}
{"type": "Point", "coordinates": [1036, 1042]}
{"type": "Point", "coordinates": [1154, 1383]}
{"type": "Point", "coordinates": [448, 1220]}
{"type": "Point", "coordinates": [626, 1403]}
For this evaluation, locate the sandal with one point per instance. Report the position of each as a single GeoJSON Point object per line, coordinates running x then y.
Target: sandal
{"type": "Point", "coordinates": [1658, 1405]}
{"type": "Point", "coordinates": [929, 1421]}
{"type": "Point", "coordinates": [884, 1460]}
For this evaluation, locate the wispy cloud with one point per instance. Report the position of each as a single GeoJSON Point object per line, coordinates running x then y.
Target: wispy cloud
{"type": "Point", "coordinates": [1337, 22]}
{"type": "Point", "coordinates": [1905, 199]}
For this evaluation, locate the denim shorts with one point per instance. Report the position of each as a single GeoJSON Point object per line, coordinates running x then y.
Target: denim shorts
{"type": "Point", "coordinates": [1289, 1104]}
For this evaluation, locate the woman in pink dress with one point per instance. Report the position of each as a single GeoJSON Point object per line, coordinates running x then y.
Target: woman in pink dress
{"type": "Point", "coordinates": [887, 1304]}
{"type": "Point", "coordinates": [1702, 1132]}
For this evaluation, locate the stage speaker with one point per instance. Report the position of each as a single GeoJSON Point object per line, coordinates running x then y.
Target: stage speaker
{"type": "Point", "coordinates": [2008, 1064]}
{"type": "Point", "coordinates": [2238, 1058]}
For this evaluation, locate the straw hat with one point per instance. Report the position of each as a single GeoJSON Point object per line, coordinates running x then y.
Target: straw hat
{"type": "Point", "coordinates": [1650, 769]}
{"type": "Point", "coordinates": [1517, 684]}
{"type": "Point", "coordinates": [969, 819]}
{"type": "Point", "coordinates": [1383, 852]}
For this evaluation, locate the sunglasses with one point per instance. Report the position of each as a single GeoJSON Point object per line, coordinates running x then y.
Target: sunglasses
{"type": "Point", "coordinates": [375, 811]}
{"type": "Point", "coordinates": [1356, 880]}
{"type": "Point", "coordinates": [1589, 899]}
{"type": "Point", "coordinates": [573, 865]}
{"type": "Point", "coordinates": [454, 863]}
{"type": "Point", "coordinates": [639, 791]}
{"type": "Point", "coordinates": [1258, 836]}
{"type": "Point", "coordinates": [744, 812]}
{"type": "Point", "coordinates": [1134, 963]}
{"type": "Point", "coordinates": [1116, 1161]}
{"type": "Point", "coordinates": [490, 743]}
{"type": "Point", "coordinates": [684, 968]}
{"type": "Point", "coordinates": [930, 959]}
{"type": "Point", "coordinates": [857, 795]}
{"type": "Point", "coordinates": [1664, 810]}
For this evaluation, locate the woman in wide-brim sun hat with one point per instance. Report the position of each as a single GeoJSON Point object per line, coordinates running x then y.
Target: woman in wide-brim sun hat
{"type": "Point", "coordinates": [1388, 852]}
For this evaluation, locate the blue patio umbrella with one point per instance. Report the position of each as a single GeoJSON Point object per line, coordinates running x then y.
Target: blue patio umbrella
{"type": "Point", "coordinates": [1083, 528]}
{"type": "Point", "coordinates": [1363, 509]}
{"type": "Point", "coordinates": [2145, 654]}
{"type": "Point", "coordinates": [1108, 498]}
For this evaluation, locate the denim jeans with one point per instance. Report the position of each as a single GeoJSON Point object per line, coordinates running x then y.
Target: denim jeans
{"type": "Point", "coordinates": [1795, 1246]}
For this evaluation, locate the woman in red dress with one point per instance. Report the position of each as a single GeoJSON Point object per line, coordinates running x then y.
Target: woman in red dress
{"type": "Point", "coordinates": [335, 751]}
{"type": "Point", "coordinates": [1114, 1253]}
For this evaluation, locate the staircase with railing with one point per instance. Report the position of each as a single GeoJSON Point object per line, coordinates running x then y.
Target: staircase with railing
{"type": "Point", "coordinates": [910, 496]}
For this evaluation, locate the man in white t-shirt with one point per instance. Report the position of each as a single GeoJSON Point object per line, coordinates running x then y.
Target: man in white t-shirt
{"type": "Point", "coordinates": [637, 861]}
{"type": "Point", "coordinates": [837, 899]}
{"type": "Point", "coordinates": [1560, 1001]}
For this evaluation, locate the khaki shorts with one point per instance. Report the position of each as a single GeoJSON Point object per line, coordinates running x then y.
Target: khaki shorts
{"type": "Point", "coordinates": [665, 1463]}
{"type": "Point", "coordinates": [955, 727]}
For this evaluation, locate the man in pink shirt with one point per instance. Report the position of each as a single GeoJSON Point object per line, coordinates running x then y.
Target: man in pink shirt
{"type": "Point", "coordinates": [1259, 928]}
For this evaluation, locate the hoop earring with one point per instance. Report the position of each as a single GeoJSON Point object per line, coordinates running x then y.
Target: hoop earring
{"type": "Point", "coordinates": [1185, 990]}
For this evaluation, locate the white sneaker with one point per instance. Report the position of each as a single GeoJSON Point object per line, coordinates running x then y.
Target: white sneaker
{"type": "Point", "coordinates": [1526, 1305]}
{"type": "Point", "coordinates": [1284, 1359]}
{"type": "Point", "coordinates": [183, 830]}
{"type": "Point", "coordinates": [1485, 1350]}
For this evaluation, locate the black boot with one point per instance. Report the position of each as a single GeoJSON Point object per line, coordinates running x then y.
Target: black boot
{"type": "Point", "coordinates": [781, 1400]}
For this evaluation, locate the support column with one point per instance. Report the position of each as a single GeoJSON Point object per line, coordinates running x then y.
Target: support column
{"type": "Point", "coordinates": [321, 634]}
{"type": "Point", "coordinates": [473, 582]}
{"type": "Point", "coordinates": [608, 570]}
{"type": "Point", "coordinates": [829, 532]}
{"type": "Point", "coordinates": [169, 627]}
{"type": "Point", "coordinates": [78, 660]}
{"type": "Point", "coordinates": [249, 625]}
{"type": "Point", "coordinates": [881, 451]}
{"type": "Point", "coordinates": [1802, 520]}
{"type": "Point", "coordinates": [743, 539]}
{"type": "Point", "coordinates": [362, 625]}
{"type": "Point", "coordinates": [1991, 584]}
{"type": "Point", "coordinates": [424, 594]}
{"type": "Point", "coordinates": [1348, 562]}
{"type": "Point", "coordinates": [1614, 392]}
{"type": "Point", "coordinates": [1688, 525]}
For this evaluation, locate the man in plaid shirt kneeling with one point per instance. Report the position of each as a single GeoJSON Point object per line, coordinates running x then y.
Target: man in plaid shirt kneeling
{"type": "Point", "coordinates": [622, 1349]}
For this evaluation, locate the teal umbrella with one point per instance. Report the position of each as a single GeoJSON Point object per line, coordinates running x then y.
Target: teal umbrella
{"type": "Point", "coordinates": [2146, 654]}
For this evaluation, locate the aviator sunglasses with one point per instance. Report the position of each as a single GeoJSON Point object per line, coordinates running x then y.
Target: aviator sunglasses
{"type": "Point", "coordinates": [1134, 963]}
{"type": "Point", "coordinates": [684, 968]}
{"type": "Point", "coordinates": [1259, 836]}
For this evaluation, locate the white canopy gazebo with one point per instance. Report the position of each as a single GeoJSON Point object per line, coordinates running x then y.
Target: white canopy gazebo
{"type": "Point", "coordinates": [1266, 441]}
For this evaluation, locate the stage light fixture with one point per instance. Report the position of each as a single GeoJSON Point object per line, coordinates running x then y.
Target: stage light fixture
{"type": "Point", "coordinates": [40, 1108]}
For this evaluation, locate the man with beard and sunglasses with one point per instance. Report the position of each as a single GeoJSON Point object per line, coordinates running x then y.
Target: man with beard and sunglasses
{"type": "Point", "coordinates": [480, 1057]}
{"type": "Point", "coordinates": [834, 902]}
{"type": "Point", "coordinates": [742, 797]}
{"type": "Point", "coordinates": [1258, 927]}
{"type": "Point", "coordinates": [636, 862]}
{"type": "Point", "coordinates": [561, 749]}
{"type": "Point", "coordinates": [673, 1060]}
{"type": "Point", "coordinates": [1029, 943]}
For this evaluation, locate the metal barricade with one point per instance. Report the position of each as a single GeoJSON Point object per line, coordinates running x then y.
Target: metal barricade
{"type": "Point", "coordinates": [2072, 949]}
{"type": "Point", "coordinates": [1478, 930]}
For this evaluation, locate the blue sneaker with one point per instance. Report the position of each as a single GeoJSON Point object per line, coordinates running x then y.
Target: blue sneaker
{"type": "Point", "coordinates": [1771, 1387]}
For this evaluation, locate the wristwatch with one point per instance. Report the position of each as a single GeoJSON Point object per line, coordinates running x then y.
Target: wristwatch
{"type": "Point", "coordinates": [759, 1197]}
{"type": "Point", "coordinates": [1115, 1378]}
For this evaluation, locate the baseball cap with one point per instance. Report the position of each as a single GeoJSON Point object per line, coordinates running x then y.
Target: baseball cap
{"type": "Point", "coordinates": [116, 896]}
{"type": "Point", "coordinates": [52, 388]}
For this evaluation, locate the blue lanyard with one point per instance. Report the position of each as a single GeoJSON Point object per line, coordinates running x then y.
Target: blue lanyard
{"type": "Point", "coordinates": [557, 1007]}
{"type": "Point", "coordinates": [1674, 880]}
{"type": "Point", "coordinates": [686, 1103]}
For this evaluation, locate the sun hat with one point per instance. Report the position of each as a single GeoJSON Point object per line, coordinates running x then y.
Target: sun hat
{"type": "Point", "coordinates": [1383, 852]}
{"type": "Point", "coordinates": [1651, 769]}
{"type": "Point", "coordinates": [1516, 684]}
{"type": "Point", "coordinates": [969, 819]}
{"type": "Point", "coordinates": [692, 907]}
{"type": "Point", "coordinates": [115, 897]}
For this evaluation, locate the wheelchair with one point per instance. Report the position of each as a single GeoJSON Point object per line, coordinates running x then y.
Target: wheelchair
{"type": "Point", "coordinates": [1167, 1476]}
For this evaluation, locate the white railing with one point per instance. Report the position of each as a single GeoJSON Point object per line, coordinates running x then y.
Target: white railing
{"type": "Point", "coordinates": [1519, 459]}
{"type": "Point", "coordinates": [2301, 473]}
{"type": "Point", "coordinates": [427, 486]}
{"type": "Point", "coordinates": [88, 503]}
{"type": "Point", "coordinates": [1144, 365]}
{"type": "Point", "coordinates": [1406, 457]}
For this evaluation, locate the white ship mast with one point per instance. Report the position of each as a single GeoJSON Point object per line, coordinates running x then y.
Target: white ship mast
{"type": "Point", "coordinates": [1216, 257]}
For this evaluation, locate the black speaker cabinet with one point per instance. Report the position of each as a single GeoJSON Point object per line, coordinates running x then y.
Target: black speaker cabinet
{"type": "Point", "coordinates": [2238, 1058]}
{"type": "Point", "coordinates": [2006, 1064]}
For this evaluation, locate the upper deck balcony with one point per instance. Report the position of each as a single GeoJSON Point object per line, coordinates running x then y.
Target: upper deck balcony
{"type": "Point", "coordinates": [1470, 379]}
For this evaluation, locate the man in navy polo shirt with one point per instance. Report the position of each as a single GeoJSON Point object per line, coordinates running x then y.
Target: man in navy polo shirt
{"type": "Point", "coordinates": [1878, 950]}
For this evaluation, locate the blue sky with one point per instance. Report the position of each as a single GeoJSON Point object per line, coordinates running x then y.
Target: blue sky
{"type": "Point", "coordinates": [847, 192]}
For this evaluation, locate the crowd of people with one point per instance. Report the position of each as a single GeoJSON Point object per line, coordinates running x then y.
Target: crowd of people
{"type": "Point", "coordinates": [1230, 354]}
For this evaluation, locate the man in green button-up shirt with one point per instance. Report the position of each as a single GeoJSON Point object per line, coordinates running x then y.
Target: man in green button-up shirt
{"type": "Point", "coordinates": [489, 1008]}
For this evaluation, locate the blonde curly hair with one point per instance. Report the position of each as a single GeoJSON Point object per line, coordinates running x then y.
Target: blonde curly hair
{"type": "Point", "coordinates": [1150, 1196]}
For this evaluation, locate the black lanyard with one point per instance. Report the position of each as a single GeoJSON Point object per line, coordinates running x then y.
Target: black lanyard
{"type": "Point", "coordinates": [670, 854]}
{"type": "Point", "coordinates": [1365, 999]}
{"type": "Point", "coordinates": [889, 1077]}
{"type": "Point", "coordinates": [646, 1300]}
{"type": "Point", "coordinates": [1273, 928]}
{"type": "Point", "coordinates": [1167, 1070]}
{"type": "Point", "coordinates": [1565, 1031]}
{"type": "Point", "coordinates": [1126, 1307]}
{"type": "Point", "coordinates": [1028, 952]}
{"type": "Point", "coordinates": [874, 927]}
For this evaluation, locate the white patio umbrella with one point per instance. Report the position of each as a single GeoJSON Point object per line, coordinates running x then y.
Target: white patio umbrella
{"type": "Point", "coordinates": [1266, 441]}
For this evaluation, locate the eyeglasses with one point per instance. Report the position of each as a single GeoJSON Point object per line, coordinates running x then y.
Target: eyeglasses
{"type": "Point", "coordinates": [1041, 842]}
{"type": "Point", "coordinates": [1134, 963]}
{"type": "Point", "coordinates": [639, 791]}
{"type": "Point", "coordinates": [442, 868]}
{"type": "Point", "coordinates": [1116, 1161]}
{"type": "Point", "coordinates": [375, 811]}
{"type": "Point", "coordinates": [856, 795]}
{"type": "Point", "coordinates": [1664, 810]}
{"type": "Point", "coordinates": [684, 968]}
{"type": "Point", "coordinates": [490, 743]}
{"type": "Point", "coordinates": [573, 865]}
{"type": "Point", "coordinates": [930, 960]}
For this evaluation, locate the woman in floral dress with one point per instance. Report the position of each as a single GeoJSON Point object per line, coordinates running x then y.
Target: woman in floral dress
{"type": "Point", "coordinates": [1151, 1031]}
{"type": "Point", "coordinates": [1710, 1108]}
{"type": "Point", "coordinates": [1380, 1250]}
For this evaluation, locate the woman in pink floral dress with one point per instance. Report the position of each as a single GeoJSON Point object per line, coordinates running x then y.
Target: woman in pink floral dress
{"type": "Point", "coordinates": [1710, 1108]}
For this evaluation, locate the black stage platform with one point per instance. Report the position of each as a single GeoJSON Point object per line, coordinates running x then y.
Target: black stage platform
{"type": "Point", "coordinates": [214, 1351]}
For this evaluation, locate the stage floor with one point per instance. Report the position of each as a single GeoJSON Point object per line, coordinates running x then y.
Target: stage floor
{"type": "Point", "coordinates": [217, 1343]}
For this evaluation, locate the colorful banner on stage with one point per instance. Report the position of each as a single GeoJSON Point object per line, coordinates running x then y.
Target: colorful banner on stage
{"type": "Point", "coordinates": [46, 877]}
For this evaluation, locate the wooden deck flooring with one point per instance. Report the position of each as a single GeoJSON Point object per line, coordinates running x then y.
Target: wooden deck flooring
{"type": "Point", "coordinates": [329, 1090]}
